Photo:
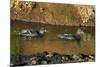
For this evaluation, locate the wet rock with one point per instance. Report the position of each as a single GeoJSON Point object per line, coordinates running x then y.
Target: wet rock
{"type": "Point", "coordinates": [49, 55]}
{"type": "Point", "coordinates": [90, 56]}
{"type": "Point", "coordinates": [50, 58]}
{"type": "Point", "coordinates": [84, 56]}
{"type": "Point", "coordinates": [56, 58]}
{"type": "Point", "coordinates": [44, 62]}
{"type": "Point", "coordinates": [33, 58]}
{"type": "Point", "coordinates": [90, 60]}
{"type": "Point", "coordinates": [33, 62]}
{"type": "Point", "coordinates": [80, 60]}
{"type": "Point", "coordinates": [76, 58]}
{"type": "Point", "coordinates": [64, 59]}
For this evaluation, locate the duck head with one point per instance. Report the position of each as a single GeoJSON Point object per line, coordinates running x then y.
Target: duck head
{"type": "Point", "coordinates": [79, 31]}
{"type": "Point", "coordinates": [43, 30]}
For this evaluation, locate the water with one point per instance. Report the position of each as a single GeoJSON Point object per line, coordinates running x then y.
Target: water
{"type": "Point", "coordinates": [50, 42]}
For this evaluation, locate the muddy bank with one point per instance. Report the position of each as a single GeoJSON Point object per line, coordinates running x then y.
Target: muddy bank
{"type": "Point", "coordinates": [52, 13]}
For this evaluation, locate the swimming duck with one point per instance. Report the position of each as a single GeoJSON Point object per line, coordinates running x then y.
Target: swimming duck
{"type": "Point", "coordinates": [30, 33]}
{"type": "Point", "coordinates": [76, 36]}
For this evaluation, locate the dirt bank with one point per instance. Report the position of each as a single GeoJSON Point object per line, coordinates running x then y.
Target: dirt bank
{"type": "Point", "coordinates": [50, 13]}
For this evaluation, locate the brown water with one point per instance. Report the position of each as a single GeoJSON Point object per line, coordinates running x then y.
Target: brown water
{"type": "Point", "coordinates": [50, 42]}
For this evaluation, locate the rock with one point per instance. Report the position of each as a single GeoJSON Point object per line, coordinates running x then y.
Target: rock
{"type": "Point", "coordinates": [33, 62]}
{"type": "Point", "coordinates": [86, 59]}
{"type": "Point", "coordinates": [80, 60]}
{"type": "Point", "coordinates": [33, 58]}
{"type": "Point", "coordinates": [66, 58]}
{"type": "Point", "coordinates": [90, 60]}
{"type": "Point", "coordinates": [63, 57]}
{"type": "Point", "coordinates": [91, 57]}
{"type": "Point", "coordinates": [75, 57]}
{"type": "Point", "coordinates": [44, 62]}
{"type": "Point", "coordinates": [50, 58]}
{"type": "Point", "coordinates": [49, 55]}
{"type": "Point", "coordinates": [84, 56]}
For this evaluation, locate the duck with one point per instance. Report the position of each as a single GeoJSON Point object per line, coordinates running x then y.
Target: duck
{"type": "Point", "coordinates": [76, 36]}
{"type": "Point", "coordinates": [30, 33]}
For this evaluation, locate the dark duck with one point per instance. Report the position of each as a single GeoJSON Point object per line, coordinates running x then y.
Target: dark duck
{"type": "Point", "coordinates": [76, 36]}
{"type": "Point", "coordinates": [27, 33]}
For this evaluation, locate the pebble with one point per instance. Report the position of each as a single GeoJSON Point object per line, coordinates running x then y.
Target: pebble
{"type": "Point", "coordinates": [90, 60]}
{"type": "Point", "coordinates": [51, 58]}
{"type": "Point", "coordinates": [91, 57]}
{"type": "Point", "coordinates": [75, 57]}
{"type": "Point", "coordinates": [33, 62]}
{"type": "Point", "coordinates": [80, 60]}
{"type": "Point", "coordinates": [49, 55]}
{"type": "Point", "coordinates": [44, 62]}
{"type": "Point", "coordinates": [63, 57]}
{"type": "Point", "coordinates": [33, 58]}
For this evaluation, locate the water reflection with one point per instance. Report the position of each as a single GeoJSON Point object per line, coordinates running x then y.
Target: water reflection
{"type": "Point", "coordinates": [51, 43]}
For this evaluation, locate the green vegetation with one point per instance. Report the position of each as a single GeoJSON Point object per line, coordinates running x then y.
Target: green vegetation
{"type": "Point", "coordinates": [13, 46]}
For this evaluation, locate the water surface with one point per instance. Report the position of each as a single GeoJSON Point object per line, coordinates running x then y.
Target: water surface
{"type": "Point", "coordinates": [50, 42]}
